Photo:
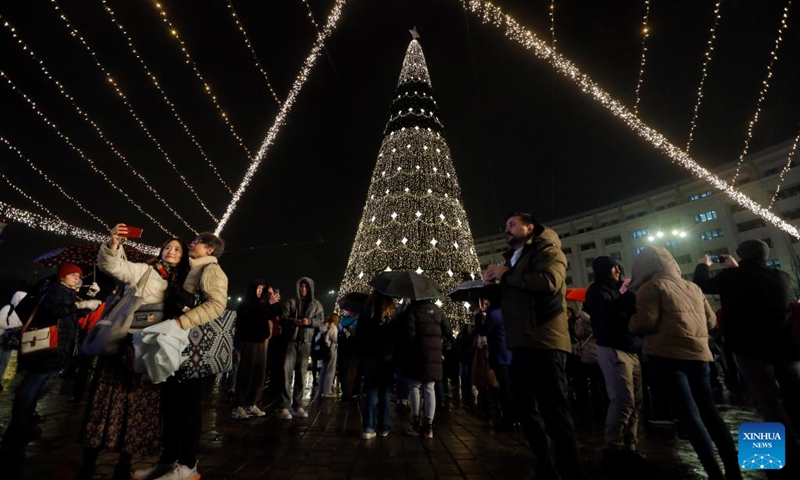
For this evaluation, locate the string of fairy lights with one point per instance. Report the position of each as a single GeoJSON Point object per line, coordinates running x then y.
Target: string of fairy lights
{"type": "Point", "coordinates": [124, 99]}
{"type": "Point", "coordinates": [786, 167]}
{"type": "Point", "coordinates": [493, 15]}
{"type": "Point", "coordinates": [23, 193]}
{"type": "Point", "coordinates": [704, 74]}
{"type": "Point", "coordinates": [59, 227]}
{"type": "Point", "coordinates": [58, 187]}
{"type": "Point", "coordinates": [311, 15]}
{"type": "Point", "coordinates": [66, 139]}
{"type": "Point", "coordinates": [553, 22]}
{"type": "Point", "coordinates": [762, 94]}
{"type": "Point", "coordinates": [252, 51]}
{"type": "Point", "coordinates": [81, 112]}
{"type": "Point", "coordinates": [170, 104]}
{"type": "Point", "coordinates": [643, 61]}
{"type": "Point", "coordinates": [173, 32]}
{"type": "Point", "coordinates": [286, 106]}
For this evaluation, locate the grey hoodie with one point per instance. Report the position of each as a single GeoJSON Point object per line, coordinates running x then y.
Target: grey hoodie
{"type": "Point", "coordinates": [292, 310]}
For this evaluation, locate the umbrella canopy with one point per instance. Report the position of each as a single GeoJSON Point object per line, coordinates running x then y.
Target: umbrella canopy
{"type": "Point", "coordinates": [469, 291]}
{"type": "Point", "coordinates": [406, 285]}
{"type": "Point", "coordinates": [83, 254]}
{"type": "Point", "coordinates": [576, 294]}
{"type": "Point", "coordinates": [353, 302]}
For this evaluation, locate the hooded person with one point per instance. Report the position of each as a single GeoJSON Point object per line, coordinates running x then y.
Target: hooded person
{"type": "Point", "coordinates": [759, 331]}
{"type": "Point", "coordinates": [302, 316]}
{"type": "Point", "coordinates": [675, 317]}
{"type": "Point", "coordinates": [618, 355]}
{"type": "Point", "coordinates": [9, 320]}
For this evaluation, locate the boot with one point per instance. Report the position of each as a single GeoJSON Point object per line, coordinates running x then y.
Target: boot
{"type": "Point", "coordinates": [413, 428]}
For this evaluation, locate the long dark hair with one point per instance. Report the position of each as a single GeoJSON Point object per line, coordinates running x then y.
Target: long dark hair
{"type": "Point", "coordinates": [175, 299]}
{"type": "Point", "coordinates": [183, 267]}
{"type": "Point", "coordinates": [380, 307]}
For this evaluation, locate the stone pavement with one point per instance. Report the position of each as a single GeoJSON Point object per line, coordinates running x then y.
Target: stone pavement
{"type": "Point", "coordinates": [328, 445]}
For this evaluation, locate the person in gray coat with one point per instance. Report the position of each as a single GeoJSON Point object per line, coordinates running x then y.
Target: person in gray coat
{"type": "Point", "coordinates": [301, 317]}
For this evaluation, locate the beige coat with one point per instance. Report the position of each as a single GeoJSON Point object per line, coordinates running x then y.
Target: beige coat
{"type": "Point", "coordinates": [672, 313]}
{"type": "Point", "coordinates": [114, 263]}
{"type": "Point", "coordinates": [206, 277]}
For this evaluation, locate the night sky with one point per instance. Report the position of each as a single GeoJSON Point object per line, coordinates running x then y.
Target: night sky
{"type": "Point", "coordinates": [521, 137]}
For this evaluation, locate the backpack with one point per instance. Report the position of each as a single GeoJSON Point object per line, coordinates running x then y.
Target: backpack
{"type": "Point", "coordinates": [320, 350]}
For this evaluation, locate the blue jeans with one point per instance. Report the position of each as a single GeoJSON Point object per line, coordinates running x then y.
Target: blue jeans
{"type": "Point", "coordinates": [377, 394]}
{"type": "Point", "coordinates": [27, 394]}
{"type": "Point", "coordinates": [5, 357]}
{"type": "Point", "coordinates": [688, 383]}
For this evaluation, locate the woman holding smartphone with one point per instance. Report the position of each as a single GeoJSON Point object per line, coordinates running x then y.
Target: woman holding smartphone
{"type": "Point", "coordinates": [124, 412]}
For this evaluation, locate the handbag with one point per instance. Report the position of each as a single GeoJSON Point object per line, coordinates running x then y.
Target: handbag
{"type": "Point", "coordinates": [107, 335]}
{"type": "Point", "coordinates": [37, 339]}
{"type": "Point", "coordinates": [210, 350]}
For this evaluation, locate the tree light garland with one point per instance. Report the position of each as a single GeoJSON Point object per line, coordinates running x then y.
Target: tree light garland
{"type": "Point", "coordinates": [640, 80]}
{"type": "Point", "coordinates": [489, 13]}
{"type": "Point", "coordinates": [29, 198]}
{"type": "Point", "coordinates": [53, 225]}
{"type": "Point", "coordinates": [786, 168]}
{"type": "Point", "coordinates": [121, 29]}
{"type": "Point", "coordinates": [764, 89]}
{"type": "Point", "coordinates": [311, 16]}
{"type": "Point", "coordinates": [252, 51]}
{"type": "Point", "coordinates": [124, 99]}
{"type": "Point", "coordinates": [413, 218]}
{"type": "Point", "coordinates": [207, 87]}
{"type": "Point", "coordinates": [88, 160]}
{"type": "Point", "coordinates": [58, 187]}
{"type": "Point", "coordinates": [286, 107]}
{"type": "Point", "coordinates": [703, 75]}
{"type": "Point", "coordinates": [553, 22]}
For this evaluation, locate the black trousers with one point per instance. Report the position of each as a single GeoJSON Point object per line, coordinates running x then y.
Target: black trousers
{"type": "Point", "coordinates": [180, 404]}
{"type": "Point", "coordinates": [539, 386]}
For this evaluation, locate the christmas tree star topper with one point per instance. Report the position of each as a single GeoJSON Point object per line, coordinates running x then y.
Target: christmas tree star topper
{"type": "Point", "coordinates": [414, 33]}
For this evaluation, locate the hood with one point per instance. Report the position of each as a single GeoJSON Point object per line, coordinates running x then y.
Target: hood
{"type": "Point", "coordinates": [651, 262]}
{"type": "Point", "coordinates": [252, 286]}
{"type": "Point", "coordinates": [546, 234]}
{"type": "Point", "coordinates": [602, 271]}
{"type": "Point", "coordinates": [17, 297]}
{"type": "Point", "coordinates": [310, 283]}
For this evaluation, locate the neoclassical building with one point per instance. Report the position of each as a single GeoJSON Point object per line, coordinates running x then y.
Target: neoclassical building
{"type": "Point", "coordinates": [688, 217]}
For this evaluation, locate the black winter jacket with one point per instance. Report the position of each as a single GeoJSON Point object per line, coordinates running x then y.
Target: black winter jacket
{"type": "Point", "coordinates": [426, 326]}
{"type": "Point", "coordinates": [610, 310]}
{"type": "Point", "coordinates": [756, 313]}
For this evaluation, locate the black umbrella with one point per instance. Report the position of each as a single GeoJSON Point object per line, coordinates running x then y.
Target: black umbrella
{"type": "Point", "coordinates": [406, 285]}
{"type": "Point", "coordinates": [474, 291]}
{"type": "Point", "coordinates": [353, 302]}
{"type": "Point", "coordinates": [469, 291]}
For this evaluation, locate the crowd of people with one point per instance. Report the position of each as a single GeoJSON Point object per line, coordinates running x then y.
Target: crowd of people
{"type": "Point", "coordinates": [525, 361]}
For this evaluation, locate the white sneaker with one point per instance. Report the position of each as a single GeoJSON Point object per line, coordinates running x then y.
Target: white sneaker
{"type": "Point", "coordinates": [367, 435]}
{"type": "Point", "coordinates": [155, 469]}
{"type": "Point", "coordinates": [285, 414]}
{"type": "Point", "coordinates": [300, 413]}
{"type": "Point", "coordinates": [181, 472]}
{"type": "Point", "coordinates": [239, 413]}
{"type": "Point", "coordinates": [254, 411]}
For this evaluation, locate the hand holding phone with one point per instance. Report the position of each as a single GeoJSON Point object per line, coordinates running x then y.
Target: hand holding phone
{"type": "Point", "coordinates": [132, 232]}
{"type": "Point", "coordinates": [715, 259]}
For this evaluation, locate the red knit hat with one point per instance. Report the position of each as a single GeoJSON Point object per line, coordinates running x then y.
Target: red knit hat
{"type": "Point", "coordinates": [67, 269]}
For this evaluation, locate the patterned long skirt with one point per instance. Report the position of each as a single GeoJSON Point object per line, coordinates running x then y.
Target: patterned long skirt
{"type": "Point", "coordinates": [124, 411]}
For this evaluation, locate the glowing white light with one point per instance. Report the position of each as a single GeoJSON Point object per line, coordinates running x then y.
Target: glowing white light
{"type": "Point", "coordinates": [404, 240]}
{"type": "Point", "coordinates": [682, 234]}
{"type": "Point", "coordinates": [659, 234]}
{"type": "Point", "coordinates": [419, 271]}
{"type": "Point", "coordinates": [434, 242]}
{"type": "Point", "coordinates": [449, 273]}
{"type": "Point", "coordinates": [703, 75]}
{"type": "Point", "coordinates": [645, 33]}
{"type": "Point", "coordinates": [455, 244]}
{"type": "Point", "coordinates": [651, 239]}
{"type": "Point", "coordinates": [438, 303]}
{"type": "Point", "coordinates": [286, 107]}
{"type": "Point", "coordinates": [467, 305]}
{"type": "Point", "coordinates": [489, 13]}
{"type": "Point", "coordinates": [394, 215]}
{"type": "Point", "coordinates": [253, 51]}
{"type": "Point", "coordinates": [378, 243]}
{"type": "Point", "coordinates": [418, 214]}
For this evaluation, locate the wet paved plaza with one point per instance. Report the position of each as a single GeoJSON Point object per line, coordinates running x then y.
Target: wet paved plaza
{"type": "Point", "coordinates": [328, 445]}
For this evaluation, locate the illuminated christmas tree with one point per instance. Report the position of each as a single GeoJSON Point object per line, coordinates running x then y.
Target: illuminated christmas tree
{"type": "Point", "coordinates": [413, 218]}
